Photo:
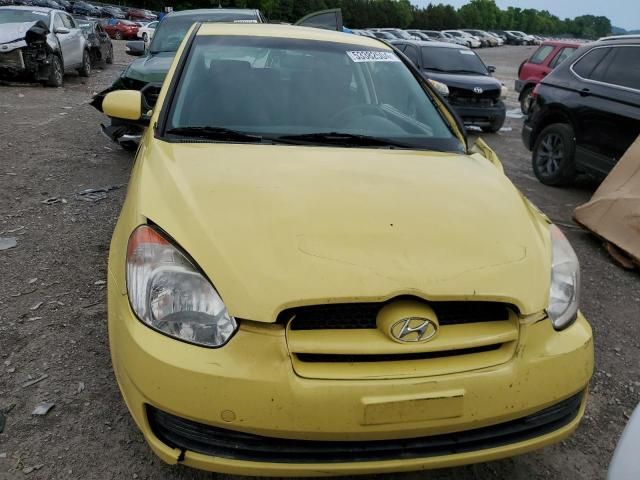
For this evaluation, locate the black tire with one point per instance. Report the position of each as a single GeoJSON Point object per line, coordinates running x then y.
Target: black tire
{"type": "Point", "coordinates": [553, 158]}
{"type": "Point", "coordinates": [56, 72]}
{"type": "Point", "coordinates": [118, 35]}
{"type": "Point", "coordinates": [85, 68]}
{"type": "Point", "coordinates": [145, 37]}
{"type": "Point", "coordinates": [525, 99]}
{"type": "Point", "coordinates": [109, 58]}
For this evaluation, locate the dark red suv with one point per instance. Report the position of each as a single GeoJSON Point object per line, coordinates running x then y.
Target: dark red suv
{"type": "Point", "coordinates": [535, 68]}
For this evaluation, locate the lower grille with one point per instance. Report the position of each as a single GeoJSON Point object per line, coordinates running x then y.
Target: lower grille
{"type": "Point", "coordinates": [473, 102]}
{"type": "Point", "coordinates": [12, 59]}
{"type": "Point", "coordinates": [188, 435]}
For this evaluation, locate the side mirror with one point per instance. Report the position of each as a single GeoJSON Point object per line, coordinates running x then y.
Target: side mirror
{"type": "Point", "coordinates": [62, 30]}
{"type": "Point", "coordinates": [135, 48]}
{"type": "Point", "coordinates": [123, 104]}
{"type": "Point", "coordinates": [491, 69]}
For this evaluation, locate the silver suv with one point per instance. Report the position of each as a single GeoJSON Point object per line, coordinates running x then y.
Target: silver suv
{"type": "Point", "coordinates": [41, 44]}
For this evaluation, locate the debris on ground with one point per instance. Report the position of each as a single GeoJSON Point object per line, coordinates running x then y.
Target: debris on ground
{"type": "Point", "coordinates": [613, 213]}
{"type": "Point", "coordinates": [36, 306]}
{"type": "Point", "coordinates": [33, 382]}
{"type": "Point", "coordinates": [80, 387]}
{"type": "Point", "coordinates": [43, 408]}
{"type": "Point", "coordinates": [28, 470]}
{"type": "Point", "coordinates": [53, 200]}
{"type": "Point", "coordinates": [97, 194]}
{"type": "Point", "coordinates": [7, 242]}
{"type": "Point", "coordinates": [100, 282]}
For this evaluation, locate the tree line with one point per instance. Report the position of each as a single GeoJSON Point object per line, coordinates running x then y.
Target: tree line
{"type": "Point", "coordinates": [482, 14]}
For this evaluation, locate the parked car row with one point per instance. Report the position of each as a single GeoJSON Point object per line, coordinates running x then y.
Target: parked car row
{"type": "Point", "coordinates": [472, 38]}
{"type": "Point", "coordinates": [80, 7]}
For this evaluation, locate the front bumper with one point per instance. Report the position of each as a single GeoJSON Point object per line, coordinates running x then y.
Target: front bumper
{"type": "Point", "coordinates": [250, 387]}
{"type": "Point", "coordinates": [481, 116]}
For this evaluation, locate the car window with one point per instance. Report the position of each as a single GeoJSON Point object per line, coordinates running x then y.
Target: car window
{"type": "Point", "coordinates": [57, 21]}
{"type": "Point", "coordinates": [587, 64]}
{"type": "Point", "coordinates": [412, 53]}
{"type": "Point", "coordinates": [541, 54]}
{"type": "Point", "coordinates": [562, 55]}
{"type": "Point", "coordinates": [8, 15]}
{"type": "Point", "coordinates": [68, 21]}
{"type": "Point", "coordinates": [619, 70]}
{"type": "Point", "coordinates": [454, 60]}
{"type": "Point", "coordinates": [305, 87]}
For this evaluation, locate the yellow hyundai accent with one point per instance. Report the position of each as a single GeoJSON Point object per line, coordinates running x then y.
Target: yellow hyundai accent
{"type": "Point", "coordinates": [313, 274]}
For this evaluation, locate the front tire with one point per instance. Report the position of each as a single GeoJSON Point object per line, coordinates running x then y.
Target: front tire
{"type": "Point", "coordinates": [56, 72]}
{"type": "Point", "coordinates": [85, 68]}
{"type": "Point", "coordinates": [553, 158]}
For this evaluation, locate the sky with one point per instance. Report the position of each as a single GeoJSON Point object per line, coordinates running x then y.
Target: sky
{"type": "Point", "coordinates": [622, 13]}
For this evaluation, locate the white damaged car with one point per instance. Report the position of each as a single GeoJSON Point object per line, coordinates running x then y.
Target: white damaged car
{"type": "Point", "coordinates": [41, 44]}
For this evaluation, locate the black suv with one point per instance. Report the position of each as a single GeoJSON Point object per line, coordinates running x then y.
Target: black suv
{"type": "Point", "coordinates": [586, 113]}
{"type": "Point", "coordinates": [459, 74]}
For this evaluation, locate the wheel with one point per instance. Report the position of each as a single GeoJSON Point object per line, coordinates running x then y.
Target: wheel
{"type": "Point", "coordinates": [145, 37]}
{"type": "Point", "coordinates": [118, 35]}
{"type": "Point", "coordinates": [554, 155]}
{"type": "Point", "coordinates": [56, 72]}
{"type": "Point", "coordinates": [109, 58]}
{"type": "Point", "coordinates": [525, 99]}
{"type": "Point", "coordinates": [85, 68]}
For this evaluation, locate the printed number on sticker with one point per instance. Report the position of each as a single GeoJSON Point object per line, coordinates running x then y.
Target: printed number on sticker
{"type": "Point", "coordinates": [372, 56]}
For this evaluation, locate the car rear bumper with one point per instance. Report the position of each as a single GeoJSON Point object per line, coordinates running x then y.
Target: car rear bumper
{"type": "Point", "coordinates": [481, 116]}
{"type": "Point", "coordinates": [259, 402]}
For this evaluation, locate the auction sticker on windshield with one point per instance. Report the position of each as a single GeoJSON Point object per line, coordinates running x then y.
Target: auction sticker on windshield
{"type": "Point", "coordinates": [372, 56]}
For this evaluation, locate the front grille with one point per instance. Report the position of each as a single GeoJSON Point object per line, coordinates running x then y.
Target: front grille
{"type": "Point", "coordinates": [363, 315]}
{"type": "Point", "coordinates": [188, 435]}
{"type": "Point", "coordinates": [393, 357]}
{"type": "Point", "coordinates": [473, 102]}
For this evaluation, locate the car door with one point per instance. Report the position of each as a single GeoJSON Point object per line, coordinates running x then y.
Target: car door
{"type": "Point", "coordinates": [63, 34]}
{"type": "Point", "coordinates": [327, 19]}
{"type": "Point", "coordinates": [608, 109]}
{"type": "Point", "coordinates": [76, 39]}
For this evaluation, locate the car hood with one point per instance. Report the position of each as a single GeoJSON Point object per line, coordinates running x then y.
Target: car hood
{"type": "Point", "coordinates": [151, 68]}
{"type": "Point", "coordinates": [11, 33]}
{"type": "Point", "coordinates": [280, 226]}
{"type": "Point", "coordinates": [466, 82]}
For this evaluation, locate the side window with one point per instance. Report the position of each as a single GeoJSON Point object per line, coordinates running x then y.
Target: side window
{"type": "Point", "coordinates": [412, 53]}
{"type": "Point", "coordinates": [66, 20]}
{"type": "Point", "coordinates": [57, 22]}
{"type": "Point", "coordinates": [586, 66]}
{"type": "Point", "coordinates": [562, 55]}
{"type": "Point", "coordinates": [541, 54]}
{"type": "Point", "coordinates": [619, 71]}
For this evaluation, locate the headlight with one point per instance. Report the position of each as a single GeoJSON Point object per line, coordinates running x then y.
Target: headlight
{"type": "Point", "coordinates": [565, 281]}
{"type": "Point", "coordinates": [169, 294]}
{"type": "Point", "coordinates": [441, 87]}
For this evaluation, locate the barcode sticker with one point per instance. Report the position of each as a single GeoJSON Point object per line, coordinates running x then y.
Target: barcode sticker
{"type": "Point", "coordinates": [372, 56]}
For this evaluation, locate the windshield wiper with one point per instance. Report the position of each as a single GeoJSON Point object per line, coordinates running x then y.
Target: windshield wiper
{"type": "Point", "coordinates": [214, 133]}
{"type": "Point", "coordinates": [341, 138]}
{"type": "Point", "coordinates": [466, 71]}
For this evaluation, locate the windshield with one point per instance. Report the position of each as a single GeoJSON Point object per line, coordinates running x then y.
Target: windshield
{"type": "Point", "coordinates": [172, 30]}
{"type": "Point", "coordinates": [21, 16]}
{"type": "Point", "coordinates": [454, 60]}
{"type": "Point", "coordinates": [288, 90]}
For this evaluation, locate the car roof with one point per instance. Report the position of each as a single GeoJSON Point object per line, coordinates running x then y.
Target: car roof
{"type": "Point", "coordinates": [31, 9]}
{"type": "Point", "coordinates": [423, 43]}
{"type": "Point", "coordinates": [183, 13]}
{"type": "Point", "coordinates": [288, 31]}
{"type": "Point", "coordinates": [620, 37]}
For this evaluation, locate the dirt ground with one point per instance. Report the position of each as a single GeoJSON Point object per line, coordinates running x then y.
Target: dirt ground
{"type": "Point", "coordinates": [53, 335]}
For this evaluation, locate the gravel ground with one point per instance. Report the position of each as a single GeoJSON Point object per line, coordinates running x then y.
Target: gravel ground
{"type": "Point", "coordinates": [53, 338]}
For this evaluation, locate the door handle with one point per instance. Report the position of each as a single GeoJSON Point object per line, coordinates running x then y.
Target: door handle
{"type": "Point", "coordinates": [585, 92]}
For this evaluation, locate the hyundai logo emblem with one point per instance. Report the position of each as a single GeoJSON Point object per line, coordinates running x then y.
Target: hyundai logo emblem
{"type": "Point", "coordinates": [414, 329]}
{"type": "Point", "coordinates": [477, 90]}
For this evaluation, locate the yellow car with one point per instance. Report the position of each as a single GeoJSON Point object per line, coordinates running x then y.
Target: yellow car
{"type": "Point", "coordinates": [313, 274]}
